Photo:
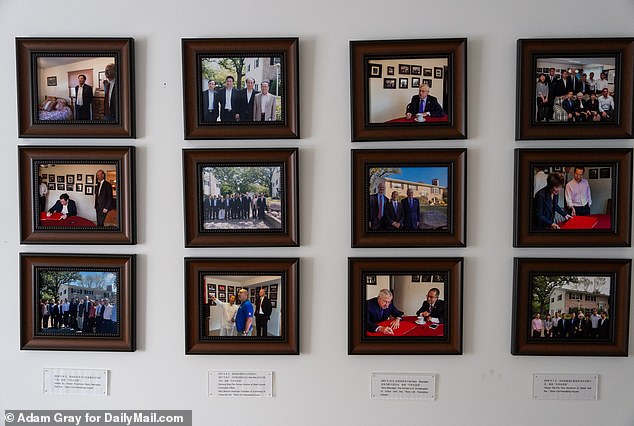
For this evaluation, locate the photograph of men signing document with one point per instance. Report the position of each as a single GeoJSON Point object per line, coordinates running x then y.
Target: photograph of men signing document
{"type": "Point", "coordinates": [414, 101]}
{"type": "Point", "coordinates": [408, 199]}
{"type": "Point", "coordinates": [241, 90]}
{"type": "Point", "coordinates": [399, 306]}
{"type": "Point", "coordinates": [575, 197]}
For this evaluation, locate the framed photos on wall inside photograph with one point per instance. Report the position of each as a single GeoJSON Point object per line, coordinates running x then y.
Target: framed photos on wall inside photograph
{"type": "Point", "coordinates": [59, 297]}
{"type": "Point", "coordinates": [429, 111]}
{"type": "Point", "coordinates": [101, 213]}
{"type": "Point", "coordinates": [559, 202]}
{"type": "Point", "coordinates": [80, 104]}
{"type": "Point", "coordinates": [274, 332]}
{"type": "Point", "coordinates": [241, 197]}
{"type": "Point", "coordinates": [575, 88]}
{"type": "Point", "coordinates": [242, 88]}
{"type": "Point", "coordinates": [409, 198]}
{"type": "Point", "coordinates": [405, 306]}
{"type": "Point", "coordinates": [571, 307]}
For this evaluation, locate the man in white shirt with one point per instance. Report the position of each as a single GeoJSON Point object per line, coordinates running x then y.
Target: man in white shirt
{"type": "Point", "coordinates": [107, 317]}
{"type": "Point", "coordinates": [228, 98]}
{"type": "Point", "coordinates": [603, 83]}
{"type": "Point", "coordinates": [43, 190]}
{"type": "Point", "coordinates": [227, 321]}
{"type": "Point", "coordinates": [606, 105]}
{"type": "Point", "coordinates": [578, 197]}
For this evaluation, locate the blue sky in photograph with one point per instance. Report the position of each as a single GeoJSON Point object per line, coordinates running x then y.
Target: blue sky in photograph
{"type": "Point", "coordinates": [423, 174]}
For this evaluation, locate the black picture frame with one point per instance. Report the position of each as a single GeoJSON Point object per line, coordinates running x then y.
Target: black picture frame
{"type": "Point", "coordinates": [416, 70]}
{"type": "Point", "coordinates": [362, 342]}
{"type": "Point", "coordinates": [32, 124]}
{"type": "Point", "coordinates": [438, 72]}
{"type": "Point", "coordinates": [613, 226]}
{"type": "Point", "coordinates": [390, 70]}
{"type": "Point", "coordinates": [51, 81]}
{"type": "Point", "coordinates": [571, 342]}
{"type": "Point", "coordinates": [375, 70]}
{"type": "Point", "coordinates": [427, 72]}
{"type": "Point", "coordinates": [196, 340]}
{"type": "Point", "coordinates": [196, 50]}
{"type": "Point", "coordinates": [389, 83]}
{"type": "Point", "coordinates": [32, 334]}
{"type": "Point", "coordinates": [529, 51]}
{"type": "Point", "coordinates": [389, 125]}
{"type": "Point", "coordinates": [403, 83]}
{"type": "Point", "coordinates": [404, 69]}
{"type": "Point", "coordinates": [287, 234]}
{"type": "Point", "coordinates": [37, 228]}
{"type": "Point", "coordinates": [451, 235]}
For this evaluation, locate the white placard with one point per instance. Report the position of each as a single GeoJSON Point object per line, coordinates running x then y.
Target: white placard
{"type": "Point", "coordinates": [565, 386]}
{"type": "Point", "coordinates": [68, 381]}
{"type": "Point", "coordinates": [404, 386]}
{"type": "Point", "coordinates": [250, 384]}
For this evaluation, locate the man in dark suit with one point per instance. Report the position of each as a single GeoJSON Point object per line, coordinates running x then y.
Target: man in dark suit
{"type": "Point", "coordinates": [546, 203]}
{"type": "Point", "coordinates": [83, 100]}
{"type": "Point", "coordinates": [263, 309]}
{"type": "Point", "coordinates": [229, 103]}
{"type": "Point", "coordinates": [246, 206]}
{"type": "Point", "coordinates": [411, 211]}
{"type": "Point", "coordinates": [394, 214]}
{"type": "Point", "coordinates": [210, 103]}
{"type": "Point", "coordinates": [111, 93]}
{"type": "Point", "coordinates": [563, 85]}
{"type": "Point", "coordinates": [432, 307]}
{"type": "Point", "coordinates": [377, 206]}
{"type": "Point", "coordinates": [261, 206]}
{"type": "Point", "coordinates": [381, 309]}
{"type": "Point", "coordinates": [103, 197]}
{"type": "Point", "coordinates": [65, 206]}
{"type": "Point", "coordinates": [247, 101]}
{"type": "Point", "coordinates": [551, 81]}
{"type": "Point", "coordinates": [424, 103]}
{"type": "Point", "coordinates": [568, 105]}
{"type": "Point", "coordinates": [583, 86]}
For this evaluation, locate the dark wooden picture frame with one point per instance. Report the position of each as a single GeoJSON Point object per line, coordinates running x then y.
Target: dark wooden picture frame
{"type": "Point", "coordinates": [618, 210]}
{"type": "Point", "coordinates": [30, 123]}
{"type": "Point", "coordinates": [529, 51]}
{"type": "Point", "coordinates": [194, 160]}
{"type": "Point", "coordinates": [613, 343]}
{"type": "Point", "coordinates": [195, 50]}
{"type": "Point", "coordinates": [453, 125]}
{"type": "Point", "coordinates": [359, 343]}
{"type": "Point", "coordinates": [122, 159]}
{"type": "Point", "coordinates": [32, 336]}
{"type": "Point", "coordinates": [197, 343]}
{"type": "Point", "coordinates": [455, 160]}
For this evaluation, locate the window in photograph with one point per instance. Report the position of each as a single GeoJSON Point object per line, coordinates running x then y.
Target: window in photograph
{"type": "Point", "coordinates": [410, 199]}
{"type": "Point", "coordinates": [248, 198]}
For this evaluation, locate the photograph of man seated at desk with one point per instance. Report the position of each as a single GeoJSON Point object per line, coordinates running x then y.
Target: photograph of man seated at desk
{"type": "Point", "coordinates": [406, 305]}
{"type": "Point", "coordinates": [84, 196]}
{"type": "Point", "coordinates": [408, 199]}
{"type": "Point", "coordinates": [575, 90]}
{"type": "Point", "coordinates": [424, 101]}
{"type": "Point", "coordinates": [565, 199]}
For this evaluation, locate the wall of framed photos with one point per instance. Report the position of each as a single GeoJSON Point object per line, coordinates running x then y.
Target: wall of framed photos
{"type": "Point", "coordinates": [484, 385]}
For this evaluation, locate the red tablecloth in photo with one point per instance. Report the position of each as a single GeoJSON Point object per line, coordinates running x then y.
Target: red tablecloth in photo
{"type": "Point", "coordinates": [442, 118]}
{"type": "Point", "coordinates": [408, 327]}
{"type": "Point", "coordinates": [70, 221]}
{"type": "Point", "coordinates": [593, 221]}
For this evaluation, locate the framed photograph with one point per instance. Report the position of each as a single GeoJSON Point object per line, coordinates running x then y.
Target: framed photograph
{"type": "Point", "coordinates": [275, 332]}
{"type": "Point", "coordinates": [409, 198]}
{"type": "Point", "coordinates": [397, 316]}
{"type": "Point", "coordinates": [564, 208]}
{"type": "Point", "coordinates": [79, 187]}
{"type": "Point", "coordinates": [375, 70]}
{"type": "Point", "coordinates": [79, 178]}
{"type": "Point", "coordinates": [51, 81]}
{"type": "Point", "coordinates": [416, 70]}
{"type": "Point", "coordinates": [241, 197]}
{"type": "Point", "coordinates": [51, 186]}
{"type": "Point", "coordinates": [571, 307]}
{"type": "Point", "coordinates": [56, 111]}
{"type": "Point", "coordinates": [77, 302]}
{"type": "Point", "coordinates": [438, 72]}
{"type": "Point", "coordinates": [415, 278]}
{"type": "Point", "coordinates": [437, 112]}
{"type": "Point", "coordinates": [605, 172]}
{"type": "Point", "coordinates": [70, 179]}
{"type": "Point", "coordinates": [572, 97]}
{"type": "Point", "coordinates": [101, 75]}
{"type": "Point", "coordinates": [241, 88]}
{"type": "Point", "coordinates": [370, 279]}
{"type": "Point", "coordinates": [390, 70]}
{"type": "Point", "coordinates": [60, 179]}
{"type": "Point", "coordinates": [90, 179]}
{"type": "Point", "coordinates": [103, 216]}
{"type": "Point", "coordinates": [415, 82]}
{"type": "Point", "coordinates": [389, 83]}
{"type": "Point", "coordinates": [593, 173]}
{"type": "Point", "coordinates": [427, 72]}
{"type": "Point", "coordinates": [403, 83]}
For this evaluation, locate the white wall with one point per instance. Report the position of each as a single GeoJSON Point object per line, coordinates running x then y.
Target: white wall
{"type": "Point", "coordinates": [484, 386]}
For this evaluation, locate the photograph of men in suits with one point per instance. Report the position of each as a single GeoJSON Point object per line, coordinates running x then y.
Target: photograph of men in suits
{"type": "Point", "coordinates": [424, 103]}
{"type": "Point", "coordinates": [247, 101]}
{"type": "Point", "coordinates": [433, 309]}
{"type": "Point", "coordinates": [377, 206]}
{"type": "Point", "coordinates": [229, 103]}
{"type": "Point", "coordinates": [103, 197]}
{"type": "Point", "coordinates": [83, 100]}
{"type": "Point", "coordinates": [65, 206]}
{"type": "Point", "coordinates": [111, 93]}
{"type": "Point", "coordinates": [263, 309]}
{"type": "Point", "coordinates": [264, 104]}
{"type": "Point", "coordinates": [381, 309]}
{"type": "Point", "coordinates": [411, 211]}
{"type": "Point", "coordinates": [211, 103]}
{"type": "Point", "coordinates": [394, 213]}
